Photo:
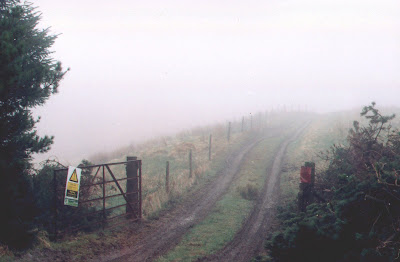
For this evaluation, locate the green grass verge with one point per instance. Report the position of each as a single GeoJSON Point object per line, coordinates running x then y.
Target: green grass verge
{"type": "Point", "coordinates": [215, 165]}
{"type": "Point", "coordinates": [221, 225]}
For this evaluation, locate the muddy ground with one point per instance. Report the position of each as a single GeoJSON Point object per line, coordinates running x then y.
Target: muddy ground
{"type": "Point", "coordinates": [168, 231]}
{"type": "Point", "coordinates": [150, 239]}
{"type": "Point", "coordinates": [248, 242]}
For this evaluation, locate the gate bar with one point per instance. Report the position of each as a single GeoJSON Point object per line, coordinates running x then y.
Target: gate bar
{"type": "Point", "coordinates": [108, 164]}
{"type": "Point", "coordinates": [119, 187]}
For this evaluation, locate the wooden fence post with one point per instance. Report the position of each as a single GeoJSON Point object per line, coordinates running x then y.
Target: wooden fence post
{"type": "Point", "coordinates": [55, 205]}
{"type": "Point", "coordinates": [209, 148]}
{"type": "Point", "coordinates": [190, 163]}
{"type": "Point", "coordinates": [104, 198]}
{"type": "Point", "coordinates": [242, 124]}
{"type": "Point", "coordinates": [167, 178]}
{"type": "Point", "coordinates": [229, 131]}
{"type": "Point", "coordinates": [132, 186]}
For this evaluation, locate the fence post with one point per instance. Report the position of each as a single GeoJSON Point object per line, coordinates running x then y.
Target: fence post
{"type": "Point", "coordinates": [140, 189]}
{"type": "Point", "coordinates": [132, 186]}
{"type": "Point", "coordinates": [209, 147]}
{"type": "Point", "coordinates": [190, 163]}
{"type": "Point", "coordinates": [167, 178]}
{"type": "Point", "coordinates": [229, 131]}
{"type": "Point", "coordinates": [251, 121]}
{"type": "Point", "coordinates": [104, 198]}
{"type": "Point", "coordinates": [242, 124]}
{"type": "Point", "coordinates": [55, 205]}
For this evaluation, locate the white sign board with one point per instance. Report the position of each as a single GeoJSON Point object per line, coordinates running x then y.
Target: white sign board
{"type": "Point", "coordinates": [72, 186]}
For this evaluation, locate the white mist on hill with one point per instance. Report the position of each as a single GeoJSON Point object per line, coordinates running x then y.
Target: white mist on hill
{"type": "Point", "coordinates": [141, 69]}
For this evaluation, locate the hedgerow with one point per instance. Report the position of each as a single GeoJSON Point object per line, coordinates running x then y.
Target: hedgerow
{"type": "Point", "coordinates": [360, 217]}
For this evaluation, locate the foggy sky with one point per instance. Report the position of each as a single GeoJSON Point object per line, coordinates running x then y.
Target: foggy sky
{"type": "Point", "coordinates": [145, 68]}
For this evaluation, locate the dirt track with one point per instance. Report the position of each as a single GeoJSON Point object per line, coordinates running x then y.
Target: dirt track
{"type": "Point", "coordinates": [168, 231]}
{"type": "Point", "coordinates": [249, 240]}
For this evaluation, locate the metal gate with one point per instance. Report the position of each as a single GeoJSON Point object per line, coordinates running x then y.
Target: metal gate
{"type": "Point", "coordinates": [110, 195]}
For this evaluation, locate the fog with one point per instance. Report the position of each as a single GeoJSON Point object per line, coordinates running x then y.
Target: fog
{"type": "Point", "coordinates": [141, 69]}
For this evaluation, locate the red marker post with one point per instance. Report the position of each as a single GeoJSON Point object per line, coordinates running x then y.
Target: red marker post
{"type": "Point", "coordinates": [305, 174]}
{"type": "Point", "coordinates": [307, 178]}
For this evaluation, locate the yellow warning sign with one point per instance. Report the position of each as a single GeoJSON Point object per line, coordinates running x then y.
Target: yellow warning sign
{"type": "Point", "coordinates": [72, 189]}
{"type": "Point", "coordinates": [73, 194]}
{"type": "Point", "coordinates": [72, 186]}
{"type": "Point", "coordinates": [74, 177]}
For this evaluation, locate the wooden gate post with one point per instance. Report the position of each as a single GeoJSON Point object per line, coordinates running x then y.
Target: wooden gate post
{"type": "Point", "coordinates": [132, 186]}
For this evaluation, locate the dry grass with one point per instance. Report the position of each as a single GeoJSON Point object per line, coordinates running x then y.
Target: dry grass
{"type": "Point", "coordinates": [177, 153]}
{"type": "Point", "coordinates": [229, 213]}
{"type": "Point", "coordinates": [155, 153]}
{"type": "Point", "coordinates": [175, 149]}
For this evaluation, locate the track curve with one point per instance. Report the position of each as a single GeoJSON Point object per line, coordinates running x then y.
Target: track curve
{"type": "Point", "coordinates": [249, 240]}
{"type": "Point", "coordinates": [193, 211]}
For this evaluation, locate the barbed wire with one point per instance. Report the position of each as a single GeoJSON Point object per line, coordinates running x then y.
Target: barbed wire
{"type": "Point", "coordinates": [52, 160]}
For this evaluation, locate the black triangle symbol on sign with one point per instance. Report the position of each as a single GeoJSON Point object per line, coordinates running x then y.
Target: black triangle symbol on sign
{"type": "Point", "coordinates": [74, 177]}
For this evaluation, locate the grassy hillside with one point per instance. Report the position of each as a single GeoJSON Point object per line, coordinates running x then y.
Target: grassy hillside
{"type": "Point", "coordinates": [229, 214]}
{"type": "Point", "coordinates": [154, 155]}
{"type": "Point", "coordinates": [220, 226]}
{"type": "Point", "coordinates": [175, 149]}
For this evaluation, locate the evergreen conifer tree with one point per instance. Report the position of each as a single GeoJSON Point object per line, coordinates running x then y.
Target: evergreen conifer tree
{"type": "Point", "coordinates": [28, 76]}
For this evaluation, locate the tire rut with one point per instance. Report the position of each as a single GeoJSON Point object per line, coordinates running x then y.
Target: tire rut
{"type": "Point", "coordinates": [249, 240]}
{"type": "Point", "coordinates": [200, 204]}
